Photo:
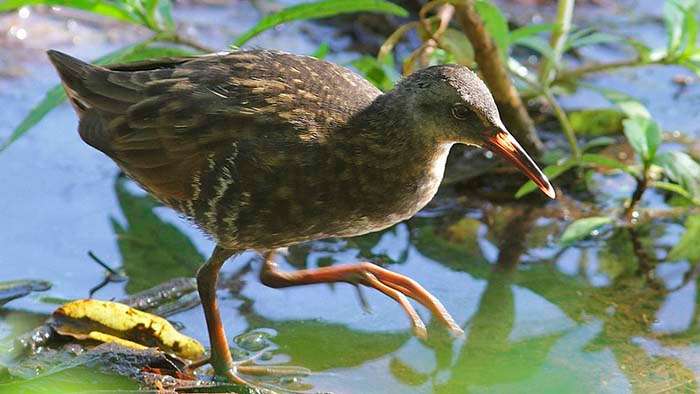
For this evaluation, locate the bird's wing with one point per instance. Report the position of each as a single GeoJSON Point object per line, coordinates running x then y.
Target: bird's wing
{"type": "Point", "coordinates": [163, 120]}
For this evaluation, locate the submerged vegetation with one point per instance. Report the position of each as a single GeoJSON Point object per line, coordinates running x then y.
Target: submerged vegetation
{"type": "Point", "coordinates": [629, 204]}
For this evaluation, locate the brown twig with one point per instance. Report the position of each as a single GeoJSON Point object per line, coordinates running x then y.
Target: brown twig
{"type": "Point", "coordinates": [422, 53]}
{"type": "Point", "coordinates": [495, 74]}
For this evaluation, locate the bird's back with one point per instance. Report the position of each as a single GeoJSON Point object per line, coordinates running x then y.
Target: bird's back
{"type": "Point", "coordinates": [191, 130]}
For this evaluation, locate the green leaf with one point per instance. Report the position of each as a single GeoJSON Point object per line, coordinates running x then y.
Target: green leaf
{"type": "Point", "coordinates": [495, 23]}
{"type": "Point", "coordinates": [164, 15]}
{"type": "Point", "coordinates": [588, 37]}
{"type": "Point", "coordinates": [529, 31]}
{"type": "Point", "coordinates": [596, 122]}
{"type": "Point", "coordinates": [598, 142]}
{"type": "Point", "coordinates": [112, 9]}
{"type": "Point", "coordinates": [673, 19]}
{"type": "Point", "coordinates": [382, 75]}
{"type": "Point", "coordinates": [644, 135]}
{"type": "Point", "coordinates": [688, 248]}
{"type": "Point", "coordinates": [690, 30]}
{"type": "Point", "coordinates": [53, 98]}
{"type": "Point", "coordinates": [56, 95]}
{"type": "Point", "coordinates": [552, 172]}
{"type": "Point", "coordinates": [605, 161]}
{"type": "Point", "coordinates": [322, 51]}
{"type": "Point", "coordinates": [675, 188]}
{"type": "Point", "coordinates": [583, 228]}
{"type": "Point", "coordinates": [681, 26]}
{"type": "Point", "coordinates": [644, 52]}
{"type": "Point", "coordinates": [316, 10]}
{"type": "Point", "coordinates": [537, 44]}
{"type": "Point", "coordinates": [628, 104]}
{"type": "Point", "coordinates": [682, 169]}
{"type": "Point", "coordinates": [457, 44]}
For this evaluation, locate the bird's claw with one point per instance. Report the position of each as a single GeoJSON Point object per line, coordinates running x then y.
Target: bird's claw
{"type": "Point", "coordinates": [400, 288]}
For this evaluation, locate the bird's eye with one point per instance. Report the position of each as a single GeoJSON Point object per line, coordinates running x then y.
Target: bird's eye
{"type": "Point", "coordinates": [461, 111]}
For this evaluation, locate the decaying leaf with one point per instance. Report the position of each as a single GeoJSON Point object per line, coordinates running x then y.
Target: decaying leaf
{"type": "Point", "coordinates": [113, 322]}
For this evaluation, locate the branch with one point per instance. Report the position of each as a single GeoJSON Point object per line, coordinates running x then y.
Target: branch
{"type": "Point", "coordinates": [495, 75]}
{"type": "Point", "coordinates": [594, 68]}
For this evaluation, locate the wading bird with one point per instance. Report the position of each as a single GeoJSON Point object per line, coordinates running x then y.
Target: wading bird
{"type": "Point", "coordinates": [264, 149]}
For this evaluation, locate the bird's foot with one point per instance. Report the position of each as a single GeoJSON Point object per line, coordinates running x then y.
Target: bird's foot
{"type": "Point", "coordinates": [396, 286]}
{"type": "Point", "coordinates": [400, 288]}
{"type": "Point", "coordinates": [234, 374]}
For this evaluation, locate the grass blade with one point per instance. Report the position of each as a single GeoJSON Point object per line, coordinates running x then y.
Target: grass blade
{"type": "Point", "coordinates": [111, 9]}
{"type": "Point", "coordinates": [316, 10]}
{"type": "Point", "coordinates": [56, 95]}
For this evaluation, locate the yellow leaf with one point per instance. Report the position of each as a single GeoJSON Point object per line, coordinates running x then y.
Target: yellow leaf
{"type": "Point", "coordinates": [106, 321]}
{"type": "Point", "coordinates": [102, 337]}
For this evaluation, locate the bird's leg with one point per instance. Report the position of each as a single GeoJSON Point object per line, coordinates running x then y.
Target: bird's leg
{"type": "Point", "coordinates": [220, 357]}
{"type": "Point", "coordinates": [394, 285]}
{"type": "Point", "coordinates": [207, 276]}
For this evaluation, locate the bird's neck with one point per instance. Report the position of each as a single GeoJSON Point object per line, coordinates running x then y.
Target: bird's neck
{"type": "Point", "coordinates": [386, 132]}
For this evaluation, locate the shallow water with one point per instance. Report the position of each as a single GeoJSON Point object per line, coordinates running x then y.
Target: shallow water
{"type": "Point", "coordinates": [537, 317]}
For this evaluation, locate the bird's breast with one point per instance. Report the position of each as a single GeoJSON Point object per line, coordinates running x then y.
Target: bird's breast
{"type": "Point", "coordinates": [401, 192]}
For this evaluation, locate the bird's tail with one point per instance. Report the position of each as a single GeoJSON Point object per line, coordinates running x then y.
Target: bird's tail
{"type": "Point", "coordinates": [74, 75]}
{"type": "Point", "coordinates": [85, 86]}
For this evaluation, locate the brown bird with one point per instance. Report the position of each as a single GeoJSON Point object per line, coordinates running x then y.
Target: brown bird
{"type": "Point", "coordinates": [264, 149]}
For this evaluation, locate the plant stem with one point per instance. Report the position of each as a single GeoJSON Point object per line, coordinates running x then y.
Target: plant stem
{"type": "Point", "coordinates": [495, 74]}
{"type": "Point", "coordinates": [566, 127]}
{"type": "Point", "coordinates": [176, 38]}
{"type": "Point", "coordinates": [577, 73]}
{"type": "Point", "coordinates": [637, 196]}
{"type": "Point", "coordinates": [565, 13]}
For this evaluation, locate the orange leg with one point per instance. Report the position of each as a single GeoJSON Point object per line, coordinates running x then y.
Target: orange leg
{"type": "Point", "coordinates": [220, 357]}
{"type": "Point", "coordinates": [394, 285]}
{"type": "Point", "coordinates": [207, 276]}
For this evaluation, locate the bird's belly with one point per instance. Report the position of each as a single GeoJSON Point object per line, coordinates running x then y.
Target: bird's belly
{"type": "Point", "coordinates": [278, 207]}
{"type": "Point", "coordinates": [395, 196]}
{"type": "Point", "coordinates": [396, 209]}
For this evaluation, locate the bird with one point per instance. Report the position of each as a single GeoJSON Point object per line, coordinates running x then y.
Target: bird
{"type": "Point", "coordinates": [265, 149]}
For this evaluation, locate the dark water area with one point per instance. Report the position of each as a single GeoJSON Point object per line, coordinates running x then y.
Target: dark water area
{"type": "Point", "coordinates": [538, 316]}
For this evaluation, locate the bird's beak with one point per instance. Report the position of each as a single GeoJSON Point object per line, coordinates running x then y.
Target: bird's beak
{"type": "Point", "coordinates": [503, 143]}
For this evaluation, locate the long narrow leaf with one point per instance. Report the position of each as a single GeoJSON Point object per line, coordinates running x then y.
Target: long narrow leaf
{"type": "Point", "coordinates": [316, 10]}
{"type": "Point", "coordinates": [605, 161]}
{"type": "Point", "coordinates": [56, 95]}
{"type": "Point", "coordinates": [112, 9]}
{"type": "Point", "coordinates": [529, 31]}
{"type": "Point", "coordinates": [675, 188]}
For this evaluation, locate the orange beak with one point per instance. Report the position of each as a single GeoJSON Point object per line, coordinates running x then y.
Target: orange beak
{"type": "Point", "coordinates": [504, 144]}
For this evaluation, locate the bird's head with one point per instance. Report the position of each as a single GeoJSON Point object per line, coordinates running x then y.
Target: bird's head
{"type": "Point", "coordinates": [452, 104]}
